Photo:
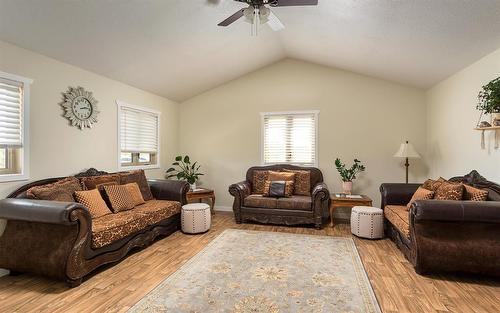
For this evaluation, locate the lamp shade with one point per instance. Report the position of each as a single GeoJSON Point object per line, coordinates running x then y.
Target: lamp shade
{"type": "Point", "coordinates": [406, 150]}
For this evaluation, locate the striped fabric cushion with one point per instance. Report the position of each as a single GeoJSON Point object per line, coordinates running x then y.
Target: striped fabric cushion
{"type": "Point", "coordinates": [119, 198]}
{"type": "Point", "coordinates": [93, 201]}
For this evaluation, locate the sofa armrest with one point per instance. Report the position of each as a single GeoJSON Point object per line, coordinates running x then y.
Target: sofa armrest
{"type": "Point", "coordinates": [455, 211]}
{"type": "Point", "coordinates": [42, 211]}
{"type": "Point", "coordinates": [241, 189]}
{"type": "Point", "coordinates": [168, 189]}
{"type": "Point", "coordinates": [321, 192]}
{"type": "Point", "coordinates": [397, 193]}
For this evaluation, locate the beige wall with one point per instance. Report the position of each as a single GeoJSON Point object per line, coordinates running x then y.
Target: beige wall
{"type": "Point", "coordinates": [453, 146]}
{"type": "Point", "coordinates": [58, 149]}
{"type": "Point", "coordinates": [360, 117]}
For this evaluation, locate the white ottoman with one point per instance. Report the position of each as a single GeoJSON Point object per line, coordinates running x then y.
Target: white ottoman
{"type": "Point", "coordinates": [367, 222]}
{"type": "Point", "coordinates": [195, 218]}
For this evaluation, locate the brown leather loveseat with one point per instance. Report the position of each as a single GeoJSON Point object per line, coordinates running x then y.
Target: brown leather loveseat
{"type": "Point", "coordinates": [298, 209]}
{"type": "Point", "coordinates": [60, 239]}
{"type": "Point", "coordinates": [445, 235]}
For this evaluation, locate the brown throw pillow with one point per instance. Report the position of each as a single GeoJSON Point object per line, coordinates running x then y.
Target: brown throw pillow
{"type": "Point", "coordinates": [278, 189]}
{"type": "Point", "coordinates": [286, 176]}
{"type": "Point", "coordinates": [449, 191]}
{"type": "Point", "coordinates": [259, 181]}
{"type": "Point", "coordinates": [420, 194]}
{"type": "Point", "coordinates": [135, 193]}
{"type": "Point", "coordinates": [119, 198]}
{"type": "Point", "coordinates": [140, 178]}
{"type": "Point", "coordinates": [92, 182]}
{"type": "Point", "coordinates": [302, 186]}
{"type": "Point", "coordinates": [93, 201]}
{"type": "Point", "coordinates": [475, 194]}
{"type": "Point", "coordinates": [61, 190]}
{"type": "Point", "coordinates": [432, 185]}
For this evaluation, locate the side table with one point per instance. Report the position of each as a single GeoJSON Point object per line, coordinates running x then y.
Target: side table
{"type": "Point", "coordinates": [200, 194]}
{"type": "Point", "coordinates": [346, 202]}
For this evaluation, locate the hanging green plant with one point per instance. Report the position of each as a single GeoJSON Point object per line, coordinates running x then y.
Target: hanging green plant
{"type": "Point", "coordinates": [489, 97]}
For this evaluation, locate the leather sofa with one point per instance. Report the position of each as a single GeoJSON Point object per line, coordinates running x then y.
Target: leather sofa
{"type": "Point", "coordinates": [60, 240]}
{"type": "Point", "coordinates": [446, 236]}
{"type": "Point", "coordinates": [289, 211]}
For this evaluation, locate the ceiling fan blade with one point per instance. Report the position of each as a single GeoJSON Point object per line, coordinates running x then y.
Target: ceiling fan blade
{"type": "Point", "coordinates": [275, 23]}
{"type": "Point", "coordinates": [290, 3]}
{"type": "Point", "coordinates": [233, 18]}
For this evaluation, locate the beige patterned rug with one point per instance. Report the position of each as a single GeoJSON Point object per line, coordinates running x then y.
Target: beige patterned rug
{"type": "Point", "coordinates": [253, 271]}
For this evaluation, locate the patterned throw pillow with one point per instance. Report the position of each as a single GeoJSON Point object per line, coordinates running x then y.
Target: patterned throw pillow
{"type": "Point", "coordinates": [420, 194]}
{"type": "Point", "coordinates": [92, 182]}
{"type": "Point", "coordinates": [449, 191]}
{"type": "Point", "coordinates": [475, 194]}
{"type": "Point", "coordinates": [140, 178]}
{"type": "Point", "coordinates": [302, 186]}
{"type": "Point", "coordinates": [259, 181]}
{"type": "Point", "coordinates": [135, 193]}
{"type": "Point", "coordinates": [119, 198]}
{"type": "Point", "coordinates": [61, 190]}
{"type": "Point", "coordinates": [432, 185]}
{"type": "Point", "coordinates": [275, 176]}
{"type": "Point", "coordinates": [93, 201]}
{"type": "Point", "coordinates": [278, 189]}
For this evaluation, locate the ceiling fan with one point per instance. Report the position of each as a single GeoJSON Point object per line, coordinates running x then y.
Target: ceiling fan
{"type": "Point", "coordinates": [258, 12]}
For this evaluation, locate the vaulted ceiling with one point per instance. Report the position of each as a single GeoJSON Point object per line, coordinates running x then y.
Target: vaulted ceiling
{"type": "Point", "coordinates": [173, 47]}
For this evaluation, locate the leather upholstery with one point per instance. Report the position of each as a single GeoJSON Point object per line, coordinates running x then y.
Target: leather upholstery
{"type": "Point", "coordinates": [302, 212]}
{"type": "Point", "coordinates": [166, 189]}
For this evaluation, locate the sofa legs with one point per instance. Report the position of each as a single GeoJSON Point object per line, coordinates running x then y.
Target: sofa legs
{"type": "Point", "coordinates": [72, 283]}
{"type": "Point", "coordinates": [318, 226]}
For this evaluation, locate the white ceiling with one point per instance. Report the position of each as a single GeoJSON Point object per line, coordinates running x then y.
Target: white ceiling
{"type": "Point", "coordinates": [173, 47]}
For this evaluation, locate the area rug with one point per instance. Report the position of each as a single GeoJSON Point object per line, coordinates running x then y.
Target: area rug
{"type": "Point", "coordinates": [252, 271]}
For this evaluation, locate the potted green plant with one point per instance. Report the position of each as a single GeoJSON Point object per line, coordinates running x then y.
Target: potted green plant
{"type": "Point", "coordinates": [183, 170]}
{"type": "Point", "coordinates": [489, 100]}
{"type": "Point", "coordinates": [348, 174]}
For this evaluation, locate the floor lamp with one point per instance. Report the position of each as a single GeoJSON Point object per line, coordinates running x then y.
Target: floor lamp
{"type": "Point", "coordinates": [406, 151]}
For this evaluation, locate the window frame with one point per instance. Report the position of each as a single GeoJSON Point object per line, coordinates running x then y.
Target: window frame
{"type": "Point", "coordinates": [25, 131]}
{"type": "Point", "coordinates": [285, 113]}
{"type": "Point", "coordinates": [120, 105]}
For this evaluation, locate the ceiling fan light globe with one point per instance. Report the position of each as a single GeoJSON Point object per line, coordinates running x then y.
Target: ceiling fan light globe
{"type": "Point", "coordinates": [249, 14]}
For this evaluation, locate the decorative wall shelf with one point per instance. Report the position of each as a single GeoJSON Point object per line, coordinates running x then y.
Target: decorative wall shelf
{"type": "Point", "coordinates": [496, 129]}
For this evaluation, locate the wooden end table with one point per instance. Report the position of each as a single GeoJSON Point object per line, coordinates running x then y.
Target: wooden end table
{"type": "Point", "coordinates": [345, 202]}
{"type": "Point", "coordinates": [200, 194]}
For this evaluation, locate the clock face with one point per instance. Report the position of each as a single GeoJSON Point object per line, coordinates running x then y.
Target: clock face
{"type": "Point", "coordinates": [82, 108]}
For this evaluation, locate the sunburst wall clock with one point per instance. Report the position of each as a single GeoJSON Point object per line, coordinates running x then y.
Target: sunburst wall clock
{"type": "Point", "coordinates": [80, 107]}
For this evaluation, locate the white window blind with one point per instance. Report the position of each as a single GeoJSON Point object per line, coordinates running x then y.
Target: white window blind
{"type": "Point", "coordinates": [138, 130]}
{"type": "Point", "coordinates": [11, 106]}
{"type": "Point", "coordinates": [289, 138]}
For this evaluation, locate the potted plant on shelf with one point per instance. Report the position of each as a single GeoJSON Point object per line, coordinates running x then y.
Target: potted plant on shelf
{"type": "Point", "coordinates": [489, 101]}
{"type": "Point", "coordinates": [183, 170]}
{"type": "Point", "coordinates": [348, 174]}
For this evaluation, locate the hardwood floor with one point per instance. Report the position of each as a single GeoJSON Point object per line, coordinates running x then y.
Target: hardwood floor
{"type": "Point", "coordinates": [115, 289]}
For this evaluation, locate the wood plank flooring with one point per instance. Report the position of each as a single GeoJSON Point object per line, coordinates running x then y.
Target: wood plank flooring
{"type": "Point", "coordinates": [117, 288]}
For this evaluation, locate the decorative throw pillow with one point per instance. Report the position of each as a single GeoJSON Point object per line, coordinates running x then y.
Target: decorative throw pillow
{"type": "Point", "coordinates": [286, 176]}
{"type": "Point", "coordinates": [138, 177]}
{"type": "Point", "coordinates": [135, 193]}
{"type": "Point", "coordinates": [475, 194]}
{"type": "Point", "coordinates": [449, 191]}
{"type": "Point", "coordinates": [61, 190]}
{"type": "Point", "coordinates": [432, 185]}
{"type": "Point", "coordinates": [92, 182]}
{"type": "Point", "coordinates": [119, 198]}
{"type": "Point", "coordinates": [93, 201]}
{"type": "Point", "coordinates": [420, 194]}
{"type": "Point", "coordinates": [259, 181]}
{"type": "Point", "coordinates": [302, 184]}
{"type": "Point", "coordinates": [278, 189]}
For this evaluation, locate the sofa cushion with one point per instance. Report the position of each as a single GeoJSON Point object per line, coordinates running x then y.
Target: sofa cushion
{"type": "Point", "coordinates": [259, 201]}
{"type": "Point", "coordinates": [113, 227]}
{"type": "Point", "coordinates": [92, 182]}
{"type": "Point", "coordinates": [449, 191]}
{"type": "Point", "coordinates": [138, 177]}
{"type": "Point", "coordinates": [432, 185]}
{"type": "Point", "coordinates": [421, 194]}
{"type": "Point", "coordinates": [259, 181]}
{"type": "Point", "coordinates": [475, 194]}
{"type": "Point", "coordinates": [277, 189]}
{"type": "Point", "coordinates": [301, 203]}
{"type": "Point", "coordinates": [286, 176]}
{"type": "Point", "coordinates": [302, 185]}
{"type": "Point", "coordinates": [398, 216]}
{"type": "Point", "coordinates": [93, 201]}
{"type": "Point", "coordinates": [135, 193]}
{"type": "Point", "coordinates": [119, 198]}
{"type": "Point", "coordinates": [61, 190]}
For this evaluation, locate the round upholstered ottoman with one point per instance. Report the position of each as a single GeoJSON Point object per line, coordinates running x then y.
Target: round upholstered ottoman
{"type": "Point", "coordinates": [195, 218]}
{"type": "Point", "coordinates": [367, 222]}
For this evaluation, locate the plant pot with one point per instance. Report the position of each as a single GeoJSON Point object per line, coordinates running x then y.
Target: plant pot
{"type": "Point", "coordinates": [193, 186]}
{"type": "Point", "coordinates": [495, 119]}
{"type": "Point", "coordinates": [347, 187]}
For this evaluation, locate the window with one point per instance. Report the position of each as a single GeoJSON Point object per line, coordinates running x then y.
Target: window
{"type": "Point", "coordinates": [290, 137]}
{"type": "Point", "coordinates": [14, 143]}
{"type": "Point", "coordinates": [138, 137]}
